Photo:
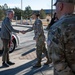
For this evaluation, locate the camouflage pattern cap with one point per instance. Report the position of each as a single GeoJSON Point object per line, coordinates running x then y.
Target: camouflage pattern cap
{"type": "Point", "coordinates": [66, 1]}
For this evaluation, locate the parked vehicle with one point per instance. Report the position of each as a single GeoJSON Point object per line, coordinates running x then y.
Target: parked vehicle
{"type": "Point", "coordinates": [13, 43]}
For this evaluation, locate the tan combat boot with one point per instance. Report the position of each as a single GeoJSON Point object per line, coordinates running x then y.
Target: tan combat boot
{"type": "Point", "coordinates": [37, 65]}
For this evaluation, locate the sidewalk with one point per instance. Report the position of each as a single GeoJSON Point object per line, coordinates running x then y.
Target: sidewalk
{"type": "Point", "coordinates": [24, 65]}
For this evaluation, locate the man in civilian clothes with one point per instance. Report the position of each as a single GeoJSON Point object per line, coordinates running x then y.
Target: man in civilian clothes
{"type": "Point", "coordinates": [6, 30]}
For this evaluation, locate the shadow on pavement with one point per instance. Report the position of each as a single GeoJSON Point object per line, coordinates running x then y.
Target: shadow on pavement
{"type": "Point", "coordinates": [25, 69]}
{"type": "Point", "coordinates": [29, 52]}
{"type": "Point", "coordinates": [1, 53]}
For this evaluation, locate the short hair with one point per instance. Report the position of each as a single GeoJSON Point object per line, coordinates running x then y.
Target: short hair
{"type": "Point", "coordinates": [37, 14]}
{"type": "Point", "coordinates": [9, 11]}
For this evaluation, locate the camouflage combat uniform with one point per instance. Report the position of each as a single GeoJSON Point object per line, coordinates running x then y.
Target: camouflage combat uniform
{"type": "Point", "coordinates": [61, 40]}
{"type": "Point", "coordinates": [40, 39]}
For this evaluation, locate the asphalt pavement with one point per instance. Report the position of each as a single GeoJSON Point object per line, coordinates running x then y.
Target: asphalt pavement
{"type": "Point", "coordinates": [25, 57]}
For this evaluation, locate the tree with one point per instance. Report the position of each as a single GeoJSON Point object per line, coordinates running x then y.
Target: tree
{"type": "Point", "coordinates": [42, 14]}
{"type": "Point", "coordinates": [17, 13]}
{"type": "Point", "coordinates": [27, 12]}
{"type": "Point", "coordinates": [1, 14]}
{"type": "Point", "coordinates": [5, 6]}
{"type": "Point", "coordinates": [0, 7]}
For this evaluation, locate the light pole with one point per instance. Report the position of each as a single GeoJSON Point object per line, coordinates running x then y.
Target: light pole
{"type": "Point", "coordinates": [51, 8]}
{"type": "Point", "coordinates": [21, 13]}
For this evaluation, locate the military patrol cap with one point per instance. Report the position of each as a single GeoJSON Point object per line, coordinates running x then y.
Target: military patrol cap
{"type": "Point", "coordinates": [66, 1]}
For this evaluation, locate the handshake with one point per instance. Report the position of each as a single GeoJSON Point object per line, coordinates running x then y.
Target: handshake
{"type": "Point", "coordinates": [23, 32]}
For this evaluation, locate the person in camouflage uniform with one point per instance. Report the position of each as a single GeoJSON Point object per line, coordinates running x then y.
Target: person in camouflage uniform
{"type": "Point", "coordinates": [61, 39]}
{"type": "Point", "coordinates": [39, 38]}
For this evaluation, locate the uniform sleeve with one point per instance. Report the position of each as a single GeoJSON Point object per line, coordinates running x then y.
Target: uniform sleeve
{"type": "Point", "coordinates": [39, 28]}
{"type": "Point", "coordinates": [58, 55]}
{"type": "Point", "coordinates": [9, 27]}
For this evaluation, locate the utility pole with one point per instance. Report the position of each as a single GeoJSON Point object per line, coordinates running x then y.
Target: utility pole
{"type": "Point", "coordinates": [21, 13]}
{"type": "Point", "coordinates": [51, 8]}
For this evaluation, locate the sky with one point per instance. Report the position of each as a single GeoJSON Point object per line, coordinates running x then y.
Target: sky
{"type": "Point", "coordinates": [34, 4]}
